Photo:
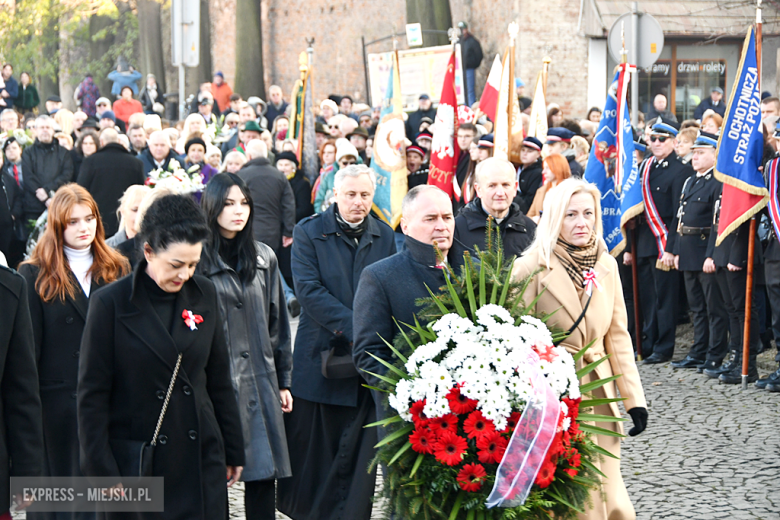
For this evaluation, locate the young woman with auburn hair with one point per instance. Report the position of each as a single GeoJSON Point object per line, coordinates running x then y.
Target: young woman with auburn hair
{"type": "Point", "coordinates": [69, 263]}
{"type": "Point", "coordinates": [555, 169]}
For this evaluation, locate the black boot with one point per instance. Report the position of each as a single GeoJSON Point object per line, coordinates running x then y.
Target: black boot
{"type": "Point", "coordinates": [734, 377]}
{"type": "Point", "coordinates": [733, 358]}
{"type": "Point", "coordinates": [773, 378]}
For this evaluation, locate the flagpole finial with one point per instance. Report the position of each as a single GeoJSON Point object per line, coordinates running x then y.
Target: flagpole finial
{"type": "Point", "coordinates": [623, 51]}
{"type": "Point", "coordinates": [513, 30]}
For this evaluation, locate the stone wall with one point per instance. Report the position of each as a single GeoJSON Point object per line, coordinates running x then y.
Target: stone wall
{"type": "Point", "coordinates": [337, 27]}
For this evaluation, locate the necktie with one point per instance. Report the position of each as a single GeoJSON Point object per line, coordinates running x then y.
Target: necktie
{"type": "Point", "coordinates": [16, 175]}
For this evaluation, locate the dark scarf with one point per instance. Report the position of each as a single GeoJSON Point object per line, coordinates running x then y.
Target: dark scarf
{"type": "Point", "coordinates": [578, 260]}
{"type": "Point", "coordinates": [228, 251]}
{"type": "Point", "coordinates": [352, 232]}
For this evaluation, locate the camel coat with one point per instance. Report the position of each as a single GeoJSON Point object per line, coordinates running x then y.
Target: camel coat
{"type": "Point", "coordinates": [605, 321]}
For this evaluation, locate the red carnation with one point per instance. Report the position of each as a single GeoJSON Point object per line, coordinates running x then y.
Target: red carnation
{"type": "Point", "coordinates": [418, 416]}
{"type": "Point", "coordinates": [447, 423]}
{"type": "Point", "coordinates": [423, 440]}
{"type": "Point", "coordinates": [546, 474]}
{"type": "Point", "coordinates": [492, 447]}
{"type": "Point", "coordinates": [450, 448]}
{"type": "Point", "coordinates": [470, 477]}
{"type": "Point", "coordinates": [511, 422]}
{"type": "Point", "coordinates": [574, 407]}
{"type": "Point", "coordinates": [459, 403]}
{"type": "Point", "coordinates": [476, 425]}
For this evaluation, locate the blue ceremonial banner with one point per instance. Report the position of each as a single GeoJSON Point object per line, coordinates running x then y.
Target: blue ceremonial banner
{"type": "Point", "coordinates": [612, 164]}
{"type": "Point", "coordinates": [389, 158]}
{"type": "Point", "coordinates": [741, 146]}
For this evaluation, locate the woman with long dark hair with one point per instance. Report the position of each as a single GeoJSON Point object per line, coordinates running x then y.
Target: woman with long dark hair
{"type": "Point", "coordinates": [251, 301]}
{"type": "Point", "coordinates": [154, 347]}
{"type": "Point", "coordinates": [69, 263]}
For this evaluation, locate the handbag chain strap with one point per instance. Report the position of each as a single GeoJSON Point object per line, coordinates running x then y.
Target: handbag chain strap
{"type": "Point", "coordinates": [167, 398]}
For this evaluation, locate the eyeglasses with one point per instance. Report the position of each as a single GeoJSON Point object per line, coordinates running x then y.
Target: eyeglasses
{"type": "Point", "coordinates": [659, 138]}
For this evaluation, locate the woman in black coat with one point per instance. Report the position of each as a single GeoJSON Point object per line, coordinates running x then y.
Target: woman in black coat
{"type": "Point", "coordinates": [251, 300]}
{"type": "Point", "coordinates": [287, 163]}
{"type": "Point", "coordinates": [134, 335]}
{"type": "Point", "coordinates": [70, 262]}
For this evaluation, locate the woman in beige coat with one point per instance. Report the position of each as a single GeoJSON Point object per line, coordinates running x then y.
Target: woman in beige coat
{"type": "Point", "coordinates": [569, 250]}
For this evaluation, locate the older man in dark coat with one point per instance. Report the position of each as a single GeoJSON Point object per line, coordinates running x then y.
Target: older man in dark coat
{"type": "Point", "coordinates": [158, 153]}
{"type": "Point", "coordinates": [389, 289]}
{"type": "Point", "coordinates": [106, 175]}
{"type": "Point", "coordinates": [274, 201]}
{"type": "Point", "coordinates": [330, 251]}
{"type": "Point", "coordinates": [21, 429]}
{"type": "Point", "coordinates": [496, 187]}
{"type": "Point", "coordinates": [46, 166]}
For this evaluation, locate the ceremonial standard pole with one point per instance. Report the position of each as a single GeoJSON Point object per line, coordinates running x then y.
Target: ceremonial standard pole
{"type": "Point", "coordinates": [752, 237]}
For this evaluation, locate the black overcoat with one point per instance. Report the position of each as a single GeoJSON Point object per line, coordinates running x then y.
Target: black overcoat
{"type": "Point", "coordinates": [57, 329]}
{"type": "Point", "coordinates": [21, 433]}
{"type": "Point", "coordinates": [529, 180]}
{"type": "Point", "coordinates": [106, 174]}
{"type": "Point", "coordinates": [698, 198]}
{"type": "Point", "coordinates": [127, 359]}
{"type": "Point", "coordinates": [327, 268]}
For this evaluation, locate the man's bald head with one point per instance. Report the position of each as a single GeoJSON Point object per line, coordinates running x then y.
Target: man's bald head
{"type": "Point", "coordinates": [159, 145]}
{"type": "Point", "coordinates": [256, 149]}
{"type": "Point", "coordinates": [107, 136]}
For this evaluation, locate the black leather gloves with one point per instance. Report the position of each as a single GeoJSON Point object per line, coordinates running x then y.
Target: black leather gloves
{"type": "Point", "coordinates": [639, 416]}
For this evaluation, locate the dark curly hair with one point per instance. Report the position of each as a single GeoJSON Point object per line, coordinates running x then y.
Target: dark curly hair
{"type": "Point", "coordinates": [173, 219]}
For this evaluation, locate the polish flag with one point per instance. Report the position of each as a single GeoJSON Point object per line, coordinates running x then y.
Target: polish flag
{"type": "Point", "coordinates": [489, 100]}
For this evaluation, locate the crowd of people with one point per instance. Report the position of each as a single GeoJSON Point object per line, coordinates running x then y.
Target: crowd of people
{"type": "Point", "coordinates": [198, 291]}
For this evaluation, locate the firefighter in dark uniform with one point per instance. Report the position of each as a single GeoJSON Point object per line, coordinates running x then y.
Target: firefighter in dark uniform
{"type": "Point", "coordinates": [772, 262]}
{"type": "Point", "coordinates": [662, 175]}
{"type": "Point", "coordinates": [730, 259]}
{"type": "Point", "coordinates": [694, 225]}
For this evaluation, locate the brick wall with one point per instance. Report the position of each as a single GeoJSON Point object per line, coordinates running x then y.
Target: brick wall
{"type": "Point", "coordinates": [338, 26]}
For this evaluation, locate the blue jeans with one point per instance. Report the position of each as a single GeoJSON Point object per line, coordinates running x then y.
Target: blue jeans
{"type": "Point", "coordinates": [288, 292]}
{"type": "Point", "coordinates": [471, 88]}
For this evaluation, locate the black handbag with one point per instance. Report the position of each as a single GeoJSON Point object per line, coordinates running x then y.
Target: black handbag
{"type": "Point", "coordinates": [135, 458]}
{"type": "Point", "coordinates": [337, 360]}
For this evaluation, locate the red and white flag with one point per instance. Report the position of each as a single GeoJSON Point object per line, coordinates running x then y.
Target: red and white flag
{"type": "Point", "coordinates": [444, 148]}
{"type": "Point", "coordinates": [489, 100]}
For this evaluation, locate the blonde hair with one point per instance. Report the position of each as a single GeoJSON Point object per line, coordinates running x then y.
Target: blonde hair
{"type": "Point", "coordinates": [556, 202]}
{"type": "Point", "coordinates": [146, 202]}
{"type": "Point", "coordinates": [64, 118]}
{"type": "Point", "coordinates": [128, 196]}
{"type": "Point", "coordinates": [237, 156]}
{"type": "Point", "coordinates": [580, 145]}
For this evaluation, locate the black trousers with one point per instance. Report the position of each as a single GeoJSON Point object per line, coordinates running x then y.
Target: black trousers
{"type": "Point", "coordinates": [658, 297]}
{"type": "Point", "coordinates": [710, 318]}
{"type": "Point", "coordinates": [737, 282]}
{"type": "Point", "coordinates": [260, 499]}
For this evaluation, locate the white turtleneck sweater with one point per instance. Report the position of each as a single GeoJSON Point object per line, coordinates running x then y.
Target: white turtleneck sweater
{"type": "Point", "coordinates": [80, 261]}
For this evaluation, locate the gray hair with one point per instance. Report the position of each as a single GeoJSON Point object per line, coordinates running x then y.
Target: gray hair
{"type": "Point", "coordinates": [6, 112]}
{"type": "Point", "coordinates": [411, 197]}
{"type": "Point", "coordinates": [109, 135]}
{"type": "Point", "coordinates": [256, 149]}
{"type": "Point", "coordinates": [44, 117]}
{"type": "Point", "coordinates": [354, 170]}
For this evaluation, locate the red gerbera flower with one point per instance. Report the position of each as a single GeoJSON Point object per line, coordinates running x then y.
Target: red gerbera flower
{"type": "Point", "coordinates": [511, 422]}
{"type": "Point", "coordinates": [423, 440]}
{"type": "Point", "coordinates": [448, 423]}
{"type": "Point", "coordinates": [572, 472]}
{"type": "Point", "coordinates": [476, 425]}
{"type": "Point", "coordinates": [459, 403]}
{"type": "Point", "coordinates": [556, 446]}
{"type": "Point", "coordinates": [492, 447]}
{"type": "Point", "coordinates": [450, 448]}
{"type": "Point", "coordinates": [546, 474]}
{"type": "Point", "coordinates": [470, 477]}
{"type": "Point", "coordinates": [575, 460]}
{"type": "Point", "coordinates": [418, 416]}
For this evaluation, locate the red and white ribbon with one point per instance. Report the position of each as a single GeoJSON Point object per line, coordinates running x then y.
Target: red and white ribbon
{"type": "Point", "coordinates": [654, 220]}
{"type": "Point", "coordinates": [191, 320]}
{"type": "Point", "coordinates": [590, 281]}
